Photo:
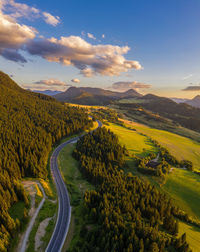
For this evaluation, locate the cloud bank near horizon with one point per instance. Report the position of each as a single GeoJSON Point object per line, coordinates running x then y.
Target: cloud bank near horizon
{"type": "Point", "coordinates": [125, 85]}
{"type": "Point", "coordinates": [50, 84]}
{"type": "Point", "coordinates": [192, 88]}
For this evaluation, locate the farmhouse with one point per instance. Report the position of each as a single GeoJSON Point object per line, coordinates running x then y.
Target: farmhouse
{"type": "Point", "coordinates": [152, 164]}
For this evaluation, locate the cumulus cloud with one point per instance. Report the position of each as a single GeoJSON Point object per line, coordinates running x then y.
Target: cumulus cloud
{"type": "Point", "coordinates": [125, 85]}
{"type": "Point", "coordinates": [192, 88]}
{"type": "Point", "coordinates": [12, 34]}
{"type": "Point", "coordinates": [89, 59]}
{"type": "Point", "coordinates": [91, 36]}
{"type": "Point", "coordinates": [75, 80]}
{"type": "Point", "coordinates": [50, 19]}
{"type": "Point", "coordinates": [51, 82]}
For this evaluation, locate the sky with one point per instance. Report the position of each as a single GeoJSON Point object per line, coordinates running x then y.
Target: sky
{"type": "Point", "coordinates": [152, 46]}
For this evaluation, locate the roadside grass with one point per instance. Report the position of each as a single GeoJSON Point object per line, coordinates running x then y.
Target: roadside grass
{"type": "Point", "coordinates": [47, 210]}
{"type": "Point", "coordinates": [47, 188]}
{"type": "Point", "coordinates": [179, 146]}
{"type": "Point", "coordinates": [38, 195]}
{"type": "Point", "coordinates": [76, 185]}
{"type": "Point", "coordinates": [192, 234]}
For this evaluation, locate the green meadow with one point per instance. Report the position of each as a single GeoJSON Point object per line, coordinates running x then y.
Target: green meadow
{"type": "Point", "coordinates": [135, 142]}
{"type": "Point", "coordinates": [179, 146]}
{"type": "Point", "coordinates": [192, 234]}
{"type": "Point", "coordinates": [184, 187]}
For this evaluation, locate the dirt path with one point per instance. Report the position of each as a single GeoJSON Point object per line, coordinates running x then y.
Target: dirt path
{"type": "Point", "coordinates": [32, 213]}
{"type": "Point", "coordinates": [40, 233]}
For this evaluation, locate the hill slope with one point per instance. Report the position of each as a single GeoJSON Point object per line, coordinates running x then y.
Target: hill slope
{"type": "Point", "coordinates": [93, 96]}
{"type": "Point", "coordinates": [29, 124]}
{"type": "Point", "coordinates": [182, 114]}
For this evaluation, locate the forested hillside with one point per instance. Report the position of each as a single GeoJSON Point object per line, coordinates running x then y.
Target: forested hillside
{"type": "Point", "coordinates": [29, 124]}
{"type": "Point", "coordinates": [127, 214]}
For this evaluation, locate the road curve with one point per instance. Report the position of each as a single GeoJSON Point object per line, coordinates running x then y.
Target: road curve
{"type": "Point", "coordinates": [64, 208]}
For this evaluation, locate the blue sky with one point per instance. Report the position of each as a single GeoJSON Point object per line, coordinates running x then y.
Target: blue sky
{"type": "Point", "coordinates": [163, 36]}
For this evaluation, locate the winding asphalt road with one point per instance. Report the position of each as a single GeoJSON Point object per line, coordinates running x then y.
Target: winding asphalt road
{"type": "Point", "coordinates": [64, 209]}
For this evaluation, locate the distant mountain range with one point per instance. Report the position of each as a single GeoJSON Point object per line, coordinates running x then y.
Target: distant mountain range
{"type": "Point", "coordinates": [195, 102]}
{"type": "Point", "coordinates": [99, 96]}
{"type": "Point", "coordinates": [94, 96]}
{"type": "Point", "coordinates": [47, 92]}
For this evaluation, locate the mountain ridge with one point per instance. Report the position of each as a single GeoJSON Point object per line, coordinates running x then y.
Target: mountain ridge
{"type": "Point", "coordinates": [93, 96]}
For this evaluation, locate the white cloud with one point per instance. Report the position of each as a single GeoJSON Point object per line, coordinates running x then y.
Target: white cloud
{"type": "Point", "coordinates": [51, 82]}
{"type": "Point", "coordinates": [90, 59]}
{"type": "Point", "coordinates": [17, 10]}
{"type": "Point", "coordinates": [50, 19]}
{"type": "Point", "coordinates": [125, 85]}
{"type": "Point", "coordinates": [91, 36]}
{"type": "Point", "coordinates": [75, 80]}
{"type": "Point", "coordinates": [103, 36]}
{"type": "Point", "coordinates": [12, 34]}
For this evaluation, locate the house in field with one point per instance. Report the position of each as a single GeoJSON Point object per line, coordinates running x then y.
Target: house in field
{"type": "Point", "coordinates": [152, 164]}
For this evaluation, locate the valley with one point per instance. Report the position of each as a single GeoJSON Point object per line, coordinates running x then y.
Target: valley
{"type": "Point", "coordinates": [136, 141]}
{"type": "Point", "coordinates": [99, 126]}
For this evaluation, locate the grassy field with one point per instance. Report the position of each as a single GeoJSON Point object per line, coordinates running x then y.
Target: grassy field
{"type": "Point", "coordinates": [76, 186]}
{"type": "Point", "coordinates": [184, 187]}
{"type": "Point", "coordinates": [86, 106]}
{"type": "Point", "coordinates": [135, 143]}
{"type": "Point", "coordinates": [180, 147]}
{"type": "Point", "coordinates": [192, 234]}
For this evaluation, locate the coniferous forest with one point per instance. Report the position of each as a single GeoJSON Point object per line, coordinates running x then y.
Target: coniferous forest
{"type": "Point", "coordinates": [30, 124]}
{"type": "Point", "coordinates": [128, 214]}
